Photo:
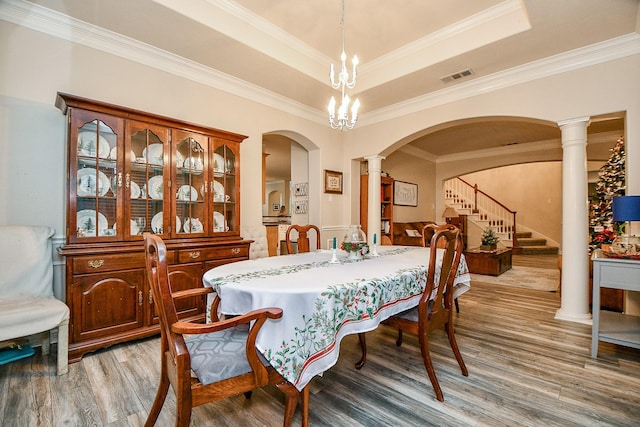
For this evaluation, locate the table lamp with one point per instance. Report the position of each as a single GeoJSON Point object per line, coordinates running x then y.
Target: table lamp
{"type": "Point", "coordinates": [626, 209]}
{"type": "Point", "coordinates": [449, 213]}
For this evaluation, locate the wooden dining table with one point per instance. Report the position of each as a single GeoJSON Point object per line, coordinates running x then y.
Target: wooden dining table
{"type": "Point", "coordinates": [323, 301]}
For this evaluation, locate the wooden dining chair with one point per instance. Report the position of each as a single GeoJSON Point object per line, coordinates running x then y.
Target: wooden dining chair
{"type": "Point", "coordinates": [222, 353]}
{"type": "Point", "coordinates": [427, 234]}
{"type": "Point", "coordinates": [303, 237]}
{"type": "Point", "coordinates": [435, 307]}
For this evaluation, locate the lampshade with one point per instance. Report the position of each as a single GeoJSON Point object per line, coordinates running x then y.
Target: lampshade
{"type": "Point", "coordinates": [449, 212]}
{"type": "Point", "coordinates": [626, 208]}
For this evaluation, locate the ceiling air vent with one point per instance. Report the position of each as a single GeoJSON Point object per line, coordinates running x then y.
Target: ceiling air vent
{"type": "Point", "coordinates": [457, 76]}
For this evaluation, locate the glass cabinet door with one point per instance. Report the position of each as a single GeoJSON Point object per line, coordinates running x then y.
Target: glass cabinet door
{"type": "Point", "coordinates": [146, 180]}
{"type": "Point", "coordinates": [96, 178]}
{"type": "Point", "coordinates": [190, 190]}
{"type": "Point", "coordinates": [225, 188]}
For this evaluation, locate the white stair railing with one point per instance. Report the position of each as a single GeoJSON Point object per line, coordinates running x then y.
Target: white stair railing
{"type": "Point", "coordinates": [468, 198]}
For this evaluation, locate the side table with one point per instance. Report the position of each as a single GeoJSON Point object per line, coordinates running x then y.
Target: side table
{"type": "Point", "coordinates": [492, 263]}
{"type": "Point", "coordinates": [616, 328]}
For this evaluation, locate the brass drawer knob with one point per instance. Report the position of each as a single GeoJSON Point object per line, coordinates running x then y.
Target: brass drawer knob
{"type": "Point", "coordinates": [194, 254]}
{"type": "Point", "coordinates": [235, 251]}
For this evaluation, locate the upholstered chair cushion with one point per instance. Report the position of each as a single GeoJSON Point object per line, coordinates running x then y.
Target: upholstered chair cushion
{"type": "Point", "coordinates": [219, 355]}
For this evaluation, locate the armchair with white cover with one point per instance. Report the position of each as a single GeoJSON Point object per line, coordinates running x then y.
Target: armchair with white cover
{"type": "Point", "coordinates": [27, 303]}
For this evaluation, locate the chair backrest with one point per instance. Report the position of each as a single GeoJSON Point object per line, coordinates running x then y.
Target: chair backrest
{"type": "Point", "coordinates": [25, 261]}
{"type": "Point", "coordinates": [446, 244]}
{"type": "Point", "coordinates": [427, 234]}
{"type": "Point", "coordinates": [386, 241]}
{"type": "Point", "coordinates": [158, 278]}
{"type": "Point", "coordinates": [258, 233]}
{"type": "Point", "coordinates": [303, 237]}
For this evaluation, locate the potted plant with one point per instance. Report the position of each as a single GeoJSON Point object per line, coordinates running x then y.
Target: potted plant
{"type": "Point", "coordinates": [489, 240]}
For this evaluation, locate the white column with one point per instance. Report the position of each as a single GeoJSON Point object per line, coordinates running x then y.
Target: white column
{"type": "Point", "coordinates": [574, 305]}
{"type": "Point", "coordinates": [373, 209]}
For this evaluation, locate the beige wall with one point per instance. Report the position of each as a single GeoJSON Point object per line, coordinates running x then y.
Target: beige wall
{"type": "Point", "coordinates": [533, 190]}
{"type": "Point", "coordinates": [34, 66]}
{"type": "Point", "coordinates": [404, 167]}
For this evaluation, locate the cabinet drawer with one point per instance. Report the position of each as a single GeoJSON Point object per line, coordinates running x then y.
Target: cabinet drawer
{"type": "Point", "coordinates": [205, 254]}
{"type": "Point", "coordinates": [100, 263]}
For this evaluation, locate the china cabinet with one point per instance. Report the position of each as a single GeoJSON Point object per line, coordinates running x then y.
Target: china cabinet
{"type": "Point", "coordinates": [130, 173]}
{"type": "Point", "coordinates": [386, 205]}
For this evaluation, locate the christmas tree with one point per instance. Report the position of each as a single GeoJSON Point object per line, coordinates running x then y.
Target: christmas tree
{"type": "Point", "coordinates": [611, 183]}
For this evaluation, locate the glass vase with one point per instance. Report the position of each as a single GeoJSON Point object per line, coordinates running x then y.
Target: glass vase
{"type": "Point", "coordinates": [355, 242]}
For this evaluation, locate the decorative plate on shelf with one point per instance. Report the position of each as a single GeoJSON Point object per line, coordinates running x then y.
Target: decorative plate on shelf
{"type": "Point", "coordinates": [134, 230]}
{"type": "Point", "coordinates": [218, 163]}
{"type": "Point", "coordinates": [87, 145]}
{"type": "Point", "coordinates": [134, 190]}
{"type": "Point", "coordinates": [155, 187]}
{"type": "Point", "coordinates": [113, 155]}
{"type": "Point", "coordinates": [153, 154]}
{"type": "Point", "coordinates": [193, 225]}
{"type": "Point", "coordinates": [187, 193]}
{"type": "Point", "coordinates": [194, 164]}
{"type": "Point", "coordinates": [219, 223]}
{"type": "Point", "coordinates": [218, 191]}
{"type": "Point", "coordinates": [179, 159]}
{"type": "Point", "coordinates": [87, 183]}
{"type": "Point", "coordinates": [86, 223]}
{"type": "Point", "coordinates": [156, 223]}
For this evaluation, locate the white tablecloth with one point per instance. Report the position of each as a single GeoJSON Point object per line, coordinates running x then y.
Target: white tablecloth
{"type": "Point", "coordinates": [322, 302]}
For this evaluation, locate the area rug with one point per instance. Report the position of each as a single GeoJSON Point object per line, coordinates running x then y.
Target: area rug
{"type": "Point", "coordinates": [542, 279]}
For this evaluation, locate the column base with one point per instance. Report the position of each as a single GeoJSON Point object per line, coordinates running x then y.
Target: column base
{"type": "Point", "coordinates": [573, 317]}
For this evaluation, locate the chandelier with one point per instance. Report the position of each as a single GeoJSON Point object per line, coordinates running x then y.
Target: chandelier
{"type": "Point", "coordinates": [343, 83]}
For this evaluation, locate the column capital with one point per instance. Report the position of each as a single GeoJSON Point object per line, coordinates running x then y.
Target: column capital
{"type": "Point", "coordinates": [374, 162]}
{"type": "Point", "coordinates": [575, 121]}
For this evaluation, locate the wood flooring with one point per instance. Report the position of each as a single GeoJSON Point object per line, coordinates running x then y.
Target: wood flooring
{"type": "Point", "coordinates": [525, 369]}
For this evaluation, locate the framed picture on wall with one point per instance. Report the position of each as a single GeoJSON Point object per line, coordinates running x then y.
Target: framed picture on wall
{"type": "Point", "coordinates": [405, 193]}
{"type": "Point", "coordinates": [332, 182]}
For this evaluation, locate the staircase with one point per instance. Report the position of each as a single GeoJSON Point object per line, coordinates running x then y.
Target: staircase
{"type": "Point", "coordinates": [528, 245]}
{"type": "Point", "coordinates": [485, 211]}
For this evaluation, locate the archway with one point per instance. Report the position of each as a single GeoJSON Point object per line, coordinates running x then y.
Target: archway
{"type": "Point", "coordinates": [291, 194]}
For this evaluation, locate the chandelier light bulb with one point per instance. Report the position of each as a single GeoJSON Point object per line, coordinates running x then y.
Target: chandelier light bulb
{"type": "Point", "coordinates": [342, 84]}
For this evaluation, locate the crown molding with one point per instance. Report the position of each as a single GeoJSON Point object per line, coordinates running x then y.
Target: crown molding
{"type": "Point", "coordinates": [240, 24]}
{"type": "Point", "coordinates": [510, 150]}
{"type": "Point", "coordinates": [587, 56]}
{"type": "Point", "coordinates": [490, 25]}
{"type": "Point", "coordinates": [419, 153]}
{"type": "Point", "coordinates": [62, 26]}
{"type": "Point", "coordinates": [530, 147]}
{"type": "Point", "coordinates": [38, 18]}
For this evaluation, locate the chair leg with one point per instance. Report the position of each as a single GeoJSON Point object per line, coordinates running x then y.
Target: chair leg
{"type": "Point", "coordinates": [305, 406]}
{"type": "Point", "coordinates": [426, 358]}
{"type": "Point", "coordinates": [456, 351]}
{"type": "Point", "coordinates": [45, 342]}
{"type": "Point", "coordinates": [291, 395]}
{"type": "Point", "coordinates": [63, 347]}
{"type": "Point", "coordinates": [158, 402]}
{"type": "Point", "coordinates": [399, 340]}
{"type": "Point", "coordinates": [455, 301]}
{"type": "Point", "coordinates": [247, 394]}
{"type": "Point", "coordinates": [363, 346]}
